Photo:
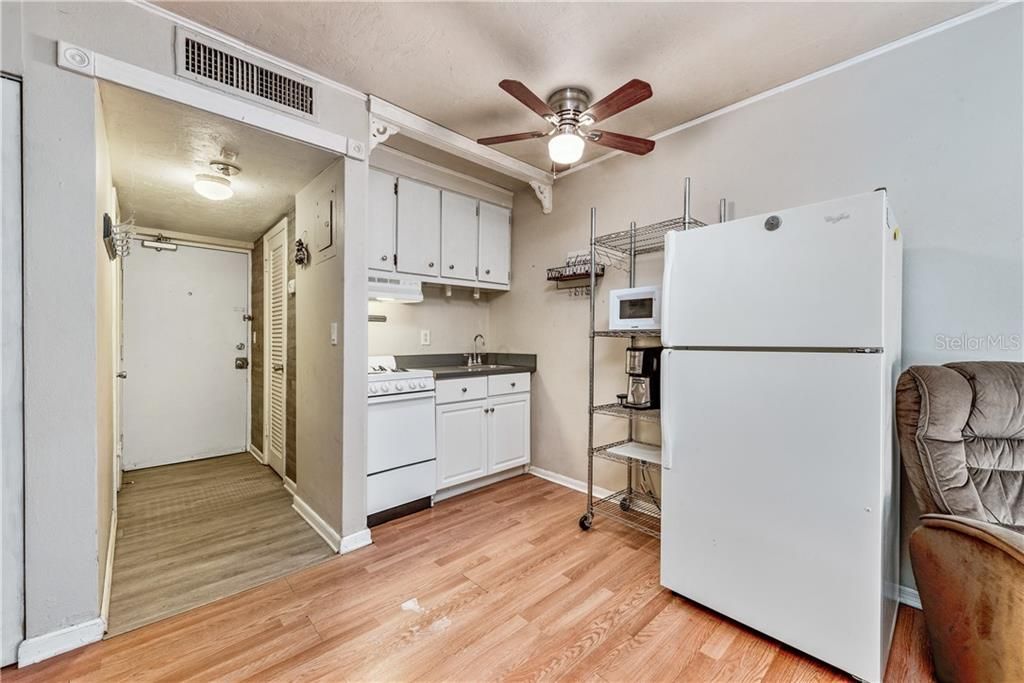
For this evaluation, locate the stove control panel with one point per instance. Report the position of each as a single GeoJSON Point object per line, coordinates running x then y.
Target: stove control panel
{"type": "Point", "coordinates": [379, 387]}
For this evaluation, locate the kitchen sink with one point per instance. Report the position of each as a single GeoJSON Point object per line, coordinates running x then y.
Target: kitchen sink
{"type": "Point", "coordinates": [471, 368]}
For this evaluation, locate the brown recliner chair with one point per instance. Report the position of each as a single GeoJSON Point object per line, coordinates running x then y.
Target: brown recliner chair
{"type": "Point", "coordinates": [961, 430]}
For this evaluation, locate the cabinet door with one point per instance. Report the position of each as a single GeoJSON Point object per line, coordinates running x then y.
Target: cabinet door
{"type": "Point", "coordinates": [380, 248]}
{"type": "Point", "coordinates": [458, 236]}
{"type": "Point", "coordinates": [419, 228]}
{"type": "Point", "coordinates": [461, 442]}
{"type": "Point", "coordinates": [495, 243]}
{"type": "Point", "coordinates": [508, 432]}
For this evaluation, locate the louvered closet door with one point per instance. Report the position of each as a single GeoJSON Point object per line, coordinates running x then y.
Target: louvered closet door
{"type": "Point", "coordinates": [276, 292]}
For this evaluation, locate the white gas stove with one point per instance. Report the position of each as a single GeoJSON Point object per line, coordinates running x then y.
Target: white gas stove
{"type": "Point", "coordinates": [385, 378]}
{"type": "Point", "coordinates": [400, 455]}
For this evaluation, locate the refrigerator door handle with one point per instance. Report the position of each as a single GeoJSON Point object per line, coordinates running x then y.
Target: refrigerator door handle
{"type": "Point", "coordinates": [666, 407]}
{"type": "Point", "coordinates": [666, 290]}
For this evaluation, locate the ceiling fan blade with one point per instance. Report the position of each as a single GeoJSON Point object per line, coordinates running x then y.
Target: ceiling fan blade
{"type": "Point", "coordinates": [626, 143]}
{"type": "Point", "coordinates": [634, 92]}
{"type": "Point", "coordinates": [498, 139]}
{"type": "Point", "coordinates": [526, 96]}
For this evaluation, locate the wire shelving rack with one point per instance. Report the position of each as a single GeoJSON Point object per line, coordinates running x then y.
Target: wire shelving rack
{"type": "Point", "coordinates": [636, 507]}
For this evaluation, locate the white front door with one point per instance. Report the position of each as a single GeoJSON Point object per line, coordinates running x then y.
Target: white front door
{"type": "Point", "coordinates": [275, 246]}
{"type": "Point", "coordinates": [184, 399]}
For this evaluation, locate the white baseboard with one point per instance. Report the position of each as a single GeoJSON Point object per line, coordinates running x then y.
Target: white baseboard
{"type": "Point", "coordinates": [468, 486]}
{"type": "Point", "coordinates": [568, 482]}
{"type": "Point", "coordinates": [289, 485]}
{"type": "Point", "coordinates": [319, 525]}
{"type": "Point", "coordinates": [359, 539]}
{"type": "Point", "coordinates": [38, 648]}
{"type": "Point", "coordinates": [109, 572]}
{"type": "Point", "coordinates": [910, 597]}
{"type": "Point", "coordinates": [258, 454]}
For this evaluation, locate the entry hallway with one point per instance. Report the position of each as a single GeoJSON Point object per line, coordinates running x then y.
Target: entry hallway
{"type": "Point", "coordinates": [192, 533]}
{"type": "Point", "coordinates": [498, 583]}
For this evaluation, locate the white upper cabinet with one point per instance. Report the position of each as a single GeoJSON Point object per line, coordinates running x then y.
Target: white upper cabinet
{"type": "Point", "coordinates": [437, 235]}
{"type": "Point", "coordinates": [458, 236]}
{"type": "Point", "coordinates": [419, 228]}
{"type": "Point", "coordinates": [380, 248]}
{"type": "Point", "coordinates": [495, 243]}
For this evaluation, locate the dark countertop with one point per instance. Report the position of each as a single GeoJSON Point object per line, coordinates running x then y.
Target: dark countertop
{"type": "Point", "coordinates": [453, 365]}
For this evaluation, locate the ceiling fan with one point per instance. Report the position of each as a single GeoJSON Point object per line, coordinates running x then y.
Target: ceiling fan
{"type": "Point", "coordinates": [571, 114]}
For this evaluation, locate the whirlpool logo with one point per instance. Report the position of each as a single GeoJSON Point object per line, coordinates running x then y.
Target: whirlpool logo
{"type": "Point", "coordinates": [837, 218]}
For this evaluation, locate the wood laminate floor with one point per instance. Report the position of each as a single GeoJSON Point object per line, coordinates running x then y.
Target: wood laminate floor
{"type": "Point", "coordinates": [496, 584]}
{"type": "Point", "coordinates": [192, 533]}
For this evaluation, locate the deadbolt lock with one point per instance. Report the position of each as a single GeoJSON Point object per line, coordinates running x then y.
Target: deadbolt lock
{"type": "Point", "coordinates": [241, 363]}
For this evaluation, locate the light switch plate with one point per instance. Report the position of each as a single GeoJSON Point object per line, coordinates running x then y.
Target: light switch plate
{"type": "Point", "coordinates": [334, 334]}
{"type": "Point", "coordinates": [424, 337]}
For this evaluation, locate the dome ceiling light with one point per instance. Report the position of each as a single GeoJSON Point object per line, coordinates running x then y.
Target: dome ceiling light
{"type": "Point", "coordinates": [216, 186]}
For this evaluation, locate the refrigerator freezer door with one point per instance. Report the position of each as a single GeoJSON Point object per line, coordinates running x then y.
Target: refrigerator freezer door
{"type": "Point", "coordinates": [812, 278]}
{"type": "Point", "coordinates": [771, 495]}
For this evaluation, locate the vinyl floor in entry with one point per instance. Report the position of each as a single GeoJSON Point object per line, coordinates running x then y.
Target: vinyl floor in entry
{"type": "Point", "coordinates": [496, 584]}
{"type": "Point", "coordinates": [192, 533]}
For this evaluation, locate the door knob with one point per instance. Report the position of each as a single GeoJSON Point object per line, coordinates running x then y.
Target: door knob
{"type": "Point", "coordinates": [240, 346]}
{"type": "Point", "coordinates": [241, 363]}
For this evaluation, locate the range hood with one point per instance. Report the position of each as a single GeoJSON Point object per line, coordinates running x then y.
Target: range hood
{"type": "Point", "coordinates": [382, 288]}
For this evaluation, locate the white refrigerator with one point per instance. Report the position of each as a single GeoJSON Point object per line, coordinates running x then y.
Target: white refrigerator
{"type": "Point", "coordinates": [780, 483]}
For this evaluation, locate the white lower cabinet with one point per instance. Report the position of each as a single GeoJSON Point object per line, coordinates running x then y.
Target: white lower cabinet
{"type": "Point", "coordinates": [508, 432]}
{"type": "Point", "coordinates": [480, 436]}
{"type": "Point", "coordinates": [461, 442]}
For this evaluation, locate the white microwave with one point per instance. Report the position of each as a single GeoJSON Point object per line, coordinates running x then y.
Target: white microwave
{"type": "Point", "coordinates": [635, 308]}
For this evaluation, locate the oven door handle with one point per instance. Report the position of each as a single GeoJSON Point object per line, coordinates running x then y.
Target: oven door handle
{"type": "Point", "coordinates": [394, 398]}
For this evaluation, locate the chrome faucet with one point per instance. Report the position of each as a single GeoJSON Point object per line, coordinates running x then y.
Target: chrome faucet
{"type": "Point", "coordinates": [475, 357]}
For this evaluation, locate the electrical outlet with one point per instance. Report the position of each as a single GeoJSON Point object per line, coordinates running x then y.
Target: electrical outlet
{"type": "Point", "coordinates": [424, 337]}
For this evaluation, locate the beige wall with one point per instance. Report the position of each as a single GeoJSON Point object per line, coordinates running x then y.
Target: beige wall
{"type": "Point", "coordinates": [319, 387]}
{"type": "Point", "coordinates": [453, 321]}
{"type": "Point", "coordinates": [937, 121]}
{"type": "Point", "coordinates": [105, 348]}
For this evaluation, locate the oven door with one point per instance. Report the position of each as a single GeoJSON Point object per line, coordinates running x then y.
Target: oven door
{"type": "Point", "coordinates": [400, 431]}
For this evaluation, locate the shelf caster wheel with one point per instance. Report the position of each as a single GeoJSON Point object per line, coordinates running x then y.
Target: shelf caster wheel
{"type": "Point", "coordinates": [586, 521]}
{"type": "Point", "coordinates": [625, 504]}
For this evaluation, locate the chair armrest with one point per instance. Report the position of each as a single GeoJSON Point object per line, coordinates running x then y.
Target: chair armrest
{"type": "Point", "coordinates": [1007, 540]}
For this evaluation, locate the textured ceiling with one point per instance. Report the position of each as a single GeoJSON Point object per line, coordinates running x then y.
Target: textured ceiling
{"type": "Point", "coordinates": [157, 146]}
{"type": "Point", "coordinates": [443, 61]}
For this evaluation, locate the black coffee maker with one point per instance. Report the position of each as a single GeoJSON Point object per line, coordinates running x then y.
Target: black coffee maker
{"type": "Point", "coordinates": [644, 378]}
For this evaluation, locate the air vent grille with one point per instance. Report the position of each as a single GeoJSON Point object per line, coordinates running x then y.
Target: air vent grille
{"type": "Point", "coordinates": [203, 61]}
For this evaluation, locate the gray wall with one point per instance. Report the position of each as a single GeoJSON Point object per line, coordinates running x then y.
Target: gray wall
{"type": "Point", "coordinates": [937, 121]}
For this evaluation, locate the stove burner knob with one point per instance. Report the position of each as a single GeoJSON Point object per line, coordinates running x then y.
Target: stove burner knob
{"type": "Point", "coordinates": [373, 388]}
{"type": "Point", "coordinates": [423, 384]}
{"type": "Point", "coordinates": [384, 388]}
{"type": "Point", "coordinates": [399, 386]}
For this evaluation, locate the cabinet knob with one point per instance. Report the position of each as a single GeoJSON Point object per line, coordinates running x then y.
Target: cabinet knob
{"type": "Point", "coordinates": [451, 266]}
{"type": "Point", "coordinates": [487, 272]}
{"type": "Point", "coordinates": [384, 257]}
{"type": "Point", "coordinates": [464, 389]}
{"type": "Point", "coordinates": [513, 383]}
{"type": "Point", "coordinates": [430, 265]}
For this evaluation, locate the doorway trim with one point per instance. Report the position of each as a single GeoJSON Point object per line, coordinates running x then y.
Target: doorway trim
{"type": "Point", "coordinates": [280, 227]}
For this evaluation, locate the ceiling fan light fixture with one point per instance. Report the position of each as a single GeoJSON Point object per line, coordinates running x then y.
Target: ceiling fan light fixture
{"type": "Point", "coordinates": [214, 187]}
{"type": "Point", "coordinates": [565, 148]}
